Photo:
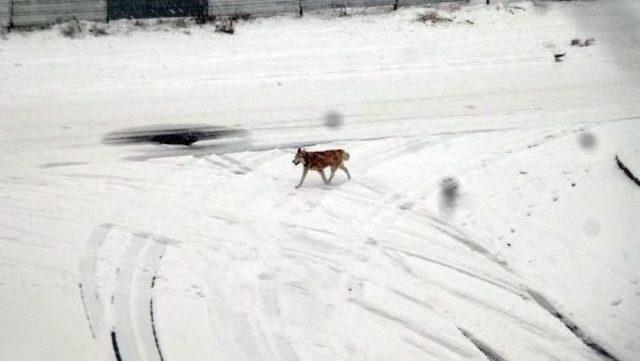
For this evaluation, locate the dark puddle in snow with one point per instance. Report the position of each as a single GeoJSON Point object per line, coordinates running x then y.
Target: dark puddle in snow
{"type": "Point", "coordinates": [173, 134]}
{"type": "Point", "coordinates": [179, 140]}
{"type": "Point", "coordinates": [577, 331]}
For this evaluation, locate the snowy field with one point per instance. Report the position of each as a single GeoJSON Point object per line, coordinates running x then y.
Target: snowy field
{"type": "Point", "coordinates": [530, 251]}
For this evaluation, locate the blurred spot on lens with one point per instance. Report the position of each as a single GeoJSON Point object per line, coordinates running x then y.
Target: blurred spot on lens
{"type": "Point", "coordinates": [333, 119]}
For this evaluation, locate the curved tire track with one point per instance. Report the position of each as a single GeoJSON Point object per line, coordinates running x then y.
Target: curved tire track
{"type": "Point", "coordinates": [627, 171]}
{"type": "Point", "coordinates": [117, 275]}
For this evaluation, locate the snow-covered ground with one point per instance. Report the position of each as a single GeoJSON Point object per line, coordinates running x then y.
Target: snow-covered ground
{"type": "Point", "coordinates": [531, 251]}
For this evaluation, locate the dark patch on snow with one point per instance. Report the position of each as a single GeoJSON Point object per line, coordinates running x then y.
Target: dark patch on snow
{"type": "Point", "coordinates": [580, 43]}
{"type": "Point", "coordinates": [483, 347]}
{"type": "Point", "coordinates": [61, 164]}
{"type": "Point", "coordinates": [572, 326]}
{"type": "Point", "coordinates": [114, 344]}
{"type": "Point", "coordinates": [333, 119]}
{"type": "Point", "coordinates": [449, 192]}
{"type": "Point", "coordinates": [591, 227]}
{"type": "Point", "coordinates": [627, 171]}
{"type": "Point", "coordinates": [171, 134]}
{"type": "Point", "coordinates": [587, 141]}
{"type": "Point", "coordinates": [406, 206]}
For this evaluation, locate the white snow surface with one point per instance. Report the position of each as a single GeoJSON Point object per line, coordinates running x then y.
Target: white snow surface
{"type": "Point", "coordinates": [209, 253]}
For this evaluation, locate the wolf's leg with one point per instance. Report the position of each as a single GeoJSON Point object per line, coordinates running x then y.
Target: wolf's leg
{"type": "Point", "coordinates": [304, 174]}
{"type": "Point", "coordinates": [324, 178]}
{"type": "Point", "coordinates": [333, 172]}
{"type": "Point", "coordinates": [345, 170]}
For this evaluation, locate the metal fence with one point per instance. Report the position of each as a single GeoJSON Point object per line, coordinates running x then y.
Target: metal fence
{"type": "Point", "coordinates": [5, 13]}
{"type": "Point", "coordinates": [43, 12]}
{"type": "Point", "coordinates": [124, 9]}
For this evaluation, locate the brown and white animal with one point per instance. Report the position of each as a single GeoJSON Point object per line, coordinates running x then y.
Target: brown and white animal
{"type": "Point", "coordinates": [318, 161]}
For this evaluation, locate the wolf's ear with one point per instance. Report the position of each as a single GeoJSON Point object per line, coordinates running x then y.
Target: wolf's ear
{"type": "Point", "coordinates": [299, 150]}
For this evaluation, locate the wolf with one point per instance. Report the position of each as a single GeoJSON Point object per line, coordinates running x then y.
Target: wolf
{"type": "Point", "coordinates": [318, 161]}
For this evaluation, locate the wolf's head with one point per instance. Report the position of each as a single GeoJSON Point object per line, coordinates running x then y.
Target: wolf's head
{"type": "Point", "coordinates": [299, 158]}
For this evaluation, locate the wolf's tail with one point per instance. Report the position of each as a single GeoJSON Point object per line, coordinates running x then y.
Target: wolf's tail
{"type": "Point", "coordinates": [346, 155]}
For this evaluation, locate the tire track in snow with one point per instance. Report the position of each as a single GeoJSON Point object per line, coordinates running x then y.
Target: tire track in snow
{"type": "Point", "coordinates": [145, 284]}
{"type": "Point", "coordinates": [114, 344]}
{"type": "Point", "coordinates": [153, 322]}
{"type": "Point", "coordinates": [123, 325]}
{"type": "Point", "coordinates": [133, 299]}
{"type": "Point", "coordinates": [117, 274]}
{"type": "Point", "coordinates": [596, 347]}
{"type": "Point", "coordinates": [462, 237]}
{"type": "Point", "coordinates": [89, 292]}
{"type": "Point", "coordinates": [497, 283]}
{"type": "Point", "coordinates": [484, 348]}
{"type": "Point", "coordinates": [587, 340]}
{"type": "Point", "coordinates": [522, 322]}
{"type": "Point", "coordinates": [453, 233]}
{"type": "Point", "coordinates": [416, 329]}
{"type": "Point", "coordinates": [627, 171]}
{"type": "Point", "coordinates": [438, 224]}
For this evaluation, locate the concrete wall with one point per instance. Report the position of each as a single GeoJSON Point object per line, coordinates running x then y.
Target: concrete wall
{"type": "Point", "coordinates": [42, 12]}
